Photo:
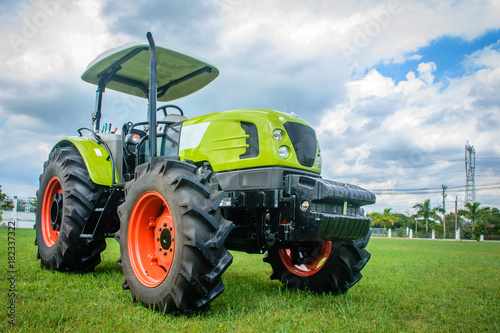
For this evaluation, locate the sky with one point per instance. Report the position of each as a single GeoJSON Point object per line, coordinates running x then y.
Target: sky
{"type": "Point", "coordinates": [394, 89]}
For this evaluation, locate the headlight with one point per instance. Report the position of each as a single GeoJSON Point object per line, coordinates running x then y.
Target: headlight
{"type": "Point", "coordinates": [319, 161]}
{"type": "Point", "coordinates": [283, 152]}
{"type": "Point", "coordinates": [278, 134]}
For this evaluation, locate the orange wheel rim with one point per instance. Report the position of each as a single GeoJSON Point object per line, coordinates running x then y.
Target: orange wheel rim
{"type": "Point", "coordinates": [52, 212]}
{"type": "Point", "coordinates": [151, 239]}
{"type": "Point", "coordinates": [314, 264]}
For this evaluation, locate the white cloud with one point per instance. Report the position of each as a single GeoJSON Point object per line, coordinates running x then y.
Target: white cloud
{"type": "Point", "coordinates": [54, 38]}
{"type": "Point", "coordinates": [21, 122]}
{"type": "Point", "coordinates": [45, 47]}
{"type": "Point", "coordinates": [372, 85]}
{"type": "Point", "coordinates": [411, 85]}
{"type": "Point", "coordinates": [426, 120]}
{"type": "Point", "coordinates": [357, 34]}
{"type": "Point", "coordinates": [336, 122]}
{"type": "Point", "coordinates": [300, 56]}
{"type": "Point", "coordinates": [425, 70]}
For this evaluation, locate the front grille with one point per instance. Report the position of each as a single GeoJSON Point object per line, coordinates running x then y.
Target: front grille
{"type": "Point", "coordinates": [304, 142]}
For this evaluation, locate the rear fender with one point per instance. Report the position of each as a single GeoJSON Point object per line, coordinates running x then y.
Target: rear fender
{"type": "Point", "coordinates": [95, 156]}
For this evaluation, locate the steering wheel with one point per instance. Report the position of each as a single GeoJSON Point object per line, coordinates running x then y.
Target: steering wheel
{"type": "Point", "coordinates": [164, 108]}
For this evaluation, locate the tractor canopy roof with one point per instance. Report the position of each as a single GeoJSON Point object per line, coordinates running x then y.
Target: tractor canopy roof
{"type": "Point", "coordinates": [126, 69]}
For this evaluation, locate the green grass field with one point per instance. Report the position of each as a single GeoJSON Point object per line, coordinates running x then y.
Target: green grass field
{"type": "Point", "coordinates": [408, 286]}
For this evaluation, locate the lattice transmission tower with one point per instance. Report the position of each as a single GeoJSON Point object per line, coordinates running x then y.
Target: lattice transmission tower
{"type": "Point", "coordinates": [470, 166]}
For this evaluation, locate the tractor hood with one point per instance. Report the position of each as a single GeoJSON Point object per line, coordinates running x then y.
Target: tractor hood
{"type": "Point", "coordinates": [126, 69]}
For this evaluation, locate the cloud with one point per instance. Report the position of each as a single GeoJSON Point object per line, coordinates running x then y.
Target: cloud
{"type": "Point", "coordinates": [425, 70]}
{"type": "Point", "coordinates": [187, 24]}
{"type": "Point", "coordinates": [45, 46]}
{"type": "Point", "coordinates": [372, 85]}
{"type": "Point", "coordinates": [425, 126]}
{"type": "Point", "coordinates": [44, 51]}
{"type": "Point", "coordinates": [46, 38]}
{"type": "Point", "coordinates": [313, 58]}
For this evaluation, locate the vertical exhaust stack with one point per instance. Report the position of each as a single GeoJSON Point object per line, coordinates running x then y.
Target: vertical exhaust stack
{"type": "Point", "coordinates": [152, 96]}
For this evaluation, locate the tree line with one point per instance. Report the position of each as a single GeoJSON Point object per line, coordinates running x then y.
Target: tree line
{"type": "Point", "coordinates": [473, 220]}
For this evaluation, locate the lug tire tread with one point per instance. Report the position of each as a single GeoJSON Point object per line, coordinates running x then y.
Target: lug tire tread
{"type": "Point", "coordinates": [340, 272]}
{"type": "Point", "coordinates": [200, 258]}
{"type": "Point", "coordinates": [70, 252]}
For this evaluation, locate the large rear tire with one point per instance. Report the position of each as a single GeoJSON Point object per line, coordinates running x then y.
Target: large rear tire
{"type": "Point", "coordinates": [172, 238]}
{"type": "Point", "coordinates": [65, 200]}
{"type": "Point", "coordinates": [326, 267]}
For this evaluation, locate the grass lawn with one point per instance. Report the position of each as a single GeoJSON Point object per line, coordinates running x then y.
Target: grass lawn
{"type": "Point", "coordinates": [408, 286]}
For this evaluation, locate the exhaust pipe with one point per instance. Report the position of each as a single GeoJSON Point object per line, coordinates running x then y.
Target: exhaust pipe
{"type": "Point", "coordinates": [152, 96]}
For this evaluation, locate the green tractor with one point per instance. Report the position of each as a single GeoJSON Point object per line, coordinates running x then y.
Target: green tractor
{"type": "Point", "coordinates": [178, 193]}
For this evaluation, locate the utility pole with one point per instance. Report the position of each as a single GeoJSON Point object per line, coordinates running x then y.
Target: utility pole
{"type": "Point", "coordinates": [444, 210]}
{"type": "Point", "coordinates": [456, 216]}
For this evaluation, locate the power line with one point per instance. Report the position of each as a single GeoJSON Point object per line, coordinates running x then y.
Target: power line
{"type": "Point", "coordinates": [418, 166]}
{"type": "Point", "coordinates": [439, 180]}
{"type": "Point", "coordinates": [419, 189]}
{"type": "Point", "coordinates": [401, 168]}
{"type": "Point", "coordinates": [428, 190]}
{"type": "Point", "coordinates": [430, 180]}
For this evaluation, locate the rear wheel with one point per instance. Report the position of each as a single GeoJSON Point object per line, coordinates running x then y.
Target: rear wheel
{"type": "Point", "coordinates": [65, 200]}
{"type": "Point", "coordinates": [323, 267]}
{"type": "Point", "coordinates": [172, 238]}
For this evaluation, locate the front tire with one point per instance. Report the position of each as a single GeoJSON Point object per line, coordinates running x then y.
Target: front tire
{"type": "Point", "coordinates": [172, 238]}
{"type": "Point", "coordinates": [65, 200]}
{"type": "Point", "coordinates": [325, 267]}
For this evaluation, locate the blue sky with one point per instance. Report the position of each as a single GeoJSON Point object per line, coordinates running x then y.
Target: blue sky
{"type": "Point", "coordinates": [449, 53]}
{"type": "Point", "coordinates": [393, 88]}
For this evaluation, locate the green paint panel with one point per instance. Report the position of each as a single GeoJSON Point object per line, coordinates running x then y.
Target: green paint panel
{"type": "Point", "coordinates": [220, 139]}
{"type": "Point", "coordinates": [95, 157]}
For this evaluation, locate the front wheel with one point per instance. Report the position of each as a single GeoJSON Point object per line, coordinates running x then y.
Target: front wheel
{"type": "Point", "coordinates": [323, 267]}
{"type": "Point", "coordinates": [172, 238]}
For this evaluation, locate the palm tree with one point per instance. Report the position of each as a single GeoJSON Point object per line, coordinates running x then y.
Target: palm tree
{"type": "Point", "coordinates": [425, 211]}
{"type": "Point", "coordinates": [474, 213]}
{"type": "Point", "coordinates": [385, 219]}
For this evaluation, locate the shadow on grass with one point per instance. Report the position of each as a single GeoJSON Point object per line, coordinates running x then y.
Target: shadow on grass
{"type": "Point", "coordinates": [107, 267]}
